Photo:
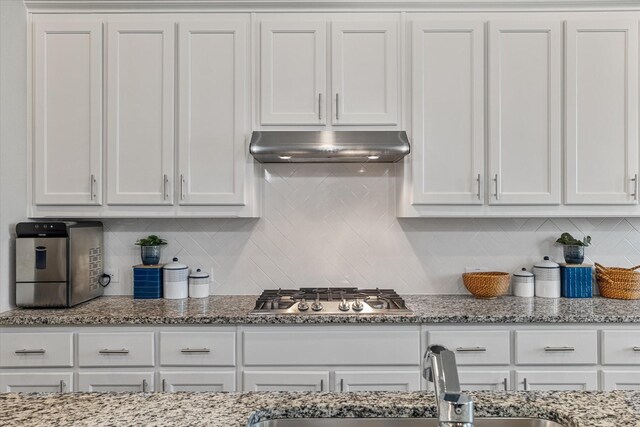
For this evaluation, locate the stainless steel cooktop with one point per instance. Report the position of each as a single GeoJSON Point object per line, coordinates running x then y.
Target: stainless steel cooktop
{"type": "Point", "coordinates": [313, 301]}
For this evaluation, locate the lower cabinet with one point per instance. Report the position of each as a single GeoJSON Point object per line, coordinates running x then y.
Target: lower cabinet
{"type": "Point", "coordinates": [485, 380]}
{"type": "Point", "coordinates": [377, 381]}
{"type": "Point", "coordinates": [285, 381]}
{"type": "Point", "coordinates": [36, 382]}
{"type": "Point", "coordinates": [557, 380]}
{"type": "Point", "coordinates": [115, 381]}
{"type": "Point", "coordinates": [197, 381]}
{"type": "Point", "coordinates": [620, 380]}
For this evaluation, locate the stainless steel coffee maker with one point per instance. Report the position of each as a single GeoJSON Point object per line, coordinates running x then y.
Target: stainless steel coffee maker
{"type": "Point", "coordinates": [58, 263]}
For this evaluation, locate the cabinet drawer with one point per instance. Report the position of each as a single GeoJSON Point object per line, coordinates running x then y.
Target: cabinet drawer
{"type": "Point", "coordinates": [115, 349]}
{"type": "Point", "coordinates": [36, 350]}
{"type": "Point", "coordinates": [197, 348]}
{"type": "Point", "coordinates": [36, 382]}
{"type": "Point", "coordinates": [332, 347]}
{"type": "Point", "coordinates": [556, 347]}
{"type": "Point", "coordinates": [621, 347]}
{"type": "Point", "coordinates": [475, 347]}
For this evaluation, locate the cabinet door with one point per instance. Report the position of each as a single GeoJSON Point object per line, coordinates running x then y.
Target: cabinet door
{"type": "Point", "coordinates": [561, 380]}
{"type": "Point", "coordinates": [524, 112]}
{"type": "Point", "coordinates": [602, 112]}
{"type": "Point", "coordinates": [293, 73]}
{"type": "Point", "coordinates": [115, 381]}
{"type": "Point", "coordinates": [36, 382]}
{"type": "Point", "coordinates": [67, 113]}
{"type": "Point", "coordinates": [212, 97]}
{"type": "Point", "coordinates": [485, 380]}
{"type": "Point", "coordinates": [197, 381]}
{"type": "Point", "coordinates": [365, 59]}
{"type": "Point", "coordinates": [285, 381]}
{"type": "Point", "coordinates": [140, 86]}
{"type": "Point", "coordinates": [621, 380]}
{"type": "Point", "coordinates": [448, 113]}
{"type": "Point", "coordinates": [377, 381]}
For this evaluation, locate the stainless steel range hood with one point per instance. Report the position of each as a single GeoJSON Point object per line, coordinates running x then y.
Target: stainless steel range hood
{"type": "Point", "coordinates": [329, 146]}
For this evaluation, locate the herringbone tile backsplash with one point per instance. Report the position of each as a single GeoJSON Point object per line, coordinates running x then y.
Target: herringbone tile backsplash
{"type": "Point", "coordinates": [335, 225]}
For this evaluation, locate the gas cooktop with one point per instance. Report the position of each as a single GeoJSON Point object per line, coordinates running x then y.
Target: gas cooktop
{"type": "Point", "coordinates": [330, 301]}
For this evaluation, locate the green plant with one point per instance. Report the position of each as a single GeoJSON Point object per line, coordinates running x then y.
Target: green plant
{"type": "Point", "coordinates": [567, 239]}
{"type": "Point", "coordinates": [151, 240]}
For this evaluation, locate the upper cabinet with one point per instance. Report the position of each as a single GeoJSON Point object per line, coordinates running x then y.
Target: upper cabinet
{"type": "Point", "coordinates": [602, 112]}
{"type": "Point", "coordinates": [364, 64]}
{"type": "Point", "coordinates": [525, 112]}
{"type": "Point", "coordinates": [67, 114]}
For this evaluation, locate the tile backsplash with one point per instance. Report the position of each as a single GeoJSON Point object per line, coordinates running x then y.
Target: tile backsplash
{"type": "Point", "coordinates": [335, 225]}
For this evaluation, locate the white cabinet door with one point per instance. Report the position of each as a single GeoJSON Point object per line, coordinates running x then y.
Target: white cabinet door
{"type": "Point", "coordinates": [560, 380]}
{"type": "Point", "coordinates": [525, 112]}
{"type": "Point", "coordinates": [197, 381]}
{"type": "Point", "coordinates": [602, 112]}
{"type": "Point", "coordinates": [485, 380]}
{"type": "Point", "coordinates": [213, 86]}
{"type": "Point", "coordinates": [621, 380]}
{"type": "Point", "coordinates": [140, 117]}
{"type": "Point", "coordinates": [67, 113]}
{"type": "Point", "coordinates": [115, 381]}
{"type": "Point", "coordinates": [447, 151]}
{"type": "Point", "coordinates": [285, 381]}
{"type": "Point", "coordinates": [365, 61]}
{"type": "Point", "coordinates": [378, 381]}
{"type": "Point", "coordinates": [36, 382]}
{"type": "Point", "coordinates": [293, 73]}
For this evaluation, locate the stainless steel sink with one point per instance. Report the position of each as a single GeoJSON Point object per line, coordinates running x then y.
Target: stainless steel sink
{"type": "Point", "coordinates": [401, 422]}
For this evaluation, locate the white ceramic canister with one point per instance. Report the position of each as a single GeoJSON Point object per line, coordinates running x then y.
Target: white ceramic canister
{"type": "Point", "coordinates": [523, 283]}
{"type": "Point", "coordinates": [547, 277]}
{"type": "Point", "coordinates": [198, 284]}
{"type": "Point", "coordinates": [175, 280]}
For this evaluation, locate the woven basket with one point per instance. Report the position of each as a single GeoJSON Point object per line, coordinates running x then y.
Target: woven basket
{"type": "Point", "coordinates": [487, 284]}
{"type": "Point", "coordinates": [618, 283]}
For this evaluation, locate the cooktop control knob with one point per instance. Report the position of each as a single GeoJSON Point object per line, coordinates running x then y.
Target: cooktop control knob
{"type": "Point", "coordinates": [344, 305]}
{"type": "Point", "coordinates": [316, 305]}
{"type": "Point", "coordinates": [357, 305]}
{"type": "Point", "coordinates": [302, 305]}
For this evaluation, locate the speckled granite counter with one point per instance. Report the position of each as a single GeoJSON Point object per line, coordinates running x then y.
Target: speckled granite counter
{"type": "Point", "coordinates": [571, 409]}
{"type": "Point", "coordinates": [235, 310]}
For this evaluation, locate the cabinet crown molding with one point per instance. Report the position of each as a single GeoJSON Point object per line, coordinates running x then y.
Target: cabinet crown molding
{"type": "Point", "coordinates": [138, 6]}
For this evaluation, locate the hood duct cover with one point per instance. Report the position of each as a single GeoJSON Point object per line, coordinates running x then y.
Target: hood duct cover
{"type": "Point", "coordinates": [329, 146]}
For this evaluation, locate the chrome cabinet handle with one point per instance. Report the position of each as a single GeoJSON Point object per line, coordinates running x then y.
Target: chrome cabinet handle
{"type": "Point", "coordinates": [471, 349]}
{"type": "Point", "coordinates": [181, 187]}
{"type": "Point", "coordinates": [341, 384]}
{"type": "Point", "coordinates": [62, 386]}
{"type": "Point", "coordinates": [92, 182]}
{"type": "Point", "coordinates": [164, 384]}
{"type": "Point", "coordinates": [559, 349]}
{"type": "Point", "coordinates": [319, 106]}
{"type": "Point", "coordinates": [35, 351]}
{"type": "Point", "coordinates": [107, 351]}
{"type": "Point", "coordinates": [166, 182]}
{"type": "Point", "coordinates": [497, 181]}
{"type": "Point", "coordinates": [321, 385]}
{"type": "Point", "coordinates": [478, 180]}
{"type": "Point", "coordinates": [526, 386]}
{"type": "Point", "coordinates": [635, 187]}
{"type": "Point", "coordinates": [195, 350]}
{"type": "Point", "coordinates": [144, 386]}
{"type": "Point", "coordinates": [635, 348]}
{"type": "Point", "coordinates": [337, 107]}
{"type": "Point", "coordinates": [505, 384]}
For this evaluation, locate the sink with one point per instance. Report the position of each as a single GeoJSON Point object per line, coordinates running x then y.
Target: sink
{"type": "Point", "coordinates": [402, 422]}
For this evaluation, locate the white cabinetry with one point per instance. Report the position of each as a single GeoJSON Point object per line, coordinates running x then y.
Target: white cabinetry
{"type": "Point", "coordinates": [602, 112]}
{"type": "Point", "coordinates": [377, 381]}
{"type": "Point", "coordinates": [621, 380]}
{"type": "Point", "coordinates": [448, 112]}
{"type": "Point", "coordinates": [115, 381]}
{"type": "Point", "coordinates": [197, 381]}
{"type": "Point", "coordinates": [484, 380]}
{"type": "Point", "coordinates": [67, 131]}
{"type": "Point", "coordinates": [40, 382]}
{"type": "Point", "coordinates": [560, 380]}
{"type": "Point", "coordinates": [525, 112]}
{"type": "Point", "coordinates": [285, 380]}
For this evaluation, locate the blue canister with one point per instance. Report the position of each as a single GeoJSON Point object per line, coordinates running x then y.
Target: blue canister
{"type": "Point", "coordinates": [147, 281]}
{"type": "Point", "coordinates": [577, 280]}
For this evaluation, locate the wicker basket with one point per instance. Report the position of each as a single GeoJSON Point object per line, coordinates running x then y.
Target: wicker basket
{"type": "Point", "coordinates": [487, 284]}
{"type": "Point", "coordinates": [618, 283]}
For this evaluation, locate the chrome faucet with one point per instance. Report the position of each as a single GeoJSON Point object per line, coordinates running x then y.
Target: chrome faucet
{"type": "Point", "coordinates": [455, 409]}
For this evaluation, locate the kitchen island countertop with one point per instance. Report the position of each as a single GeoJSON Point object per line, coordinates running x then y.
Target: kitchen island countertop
{"type": "Point", "coordinates": [234, 309]}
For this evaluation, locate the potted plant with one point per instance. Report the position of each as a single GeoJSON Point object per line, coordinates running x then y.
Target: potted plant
{"type": "Point", "coordinates": [150, 249]}
{"type": "Point", "coordinates": [573, 248]}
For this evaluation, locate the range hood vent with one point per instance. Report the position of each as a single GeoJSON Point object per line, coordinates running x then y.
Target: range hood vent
{"type": "Point", "coordinates": [329, 146]}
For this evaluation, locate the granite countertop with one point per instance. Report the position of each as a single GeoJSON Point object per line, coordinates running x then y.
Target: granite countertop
{"type": "Point", "coordinates": [571, 409]}
{"type": "Point", "coordinates": [124, 310]}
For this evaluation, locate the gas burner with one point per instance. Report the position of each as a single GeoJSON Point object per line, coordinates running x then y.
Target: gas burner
{"type": "Point", "coordinates": [310, 301]}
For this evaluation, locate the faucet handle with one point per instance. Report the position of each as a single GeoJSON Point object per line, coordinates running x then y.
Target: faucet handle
{"type": "Point", "coordinates": [456, 409]}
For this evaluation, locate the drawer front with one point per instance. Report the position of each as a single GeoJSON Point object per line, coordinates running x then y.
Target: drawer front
{"type": "Point", "coordinates": [621, 347]}
{"type": "Point", "coordinates": [198, 348]}
{"type": "Point", "coordinates": [36, 382]}
{"type": "Point", "coordinates": [115, 349]}
{"type": "Point", "coordinates": [556, 347]}
{"type": "Point", "coordinates": [331, 347]}
{"type": "Point", "coordinates": [36, 350]}
{"type": "Point", "coordinates": [475, 347]}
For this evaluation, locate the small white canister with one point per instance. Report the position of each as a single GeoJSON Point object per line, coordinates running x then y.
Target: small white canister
{"type": "Point", "coordinates": [198, 284]}
{"type": "Point", "coordinates": [175, 280]}
{"type": "Point", "coordinates": [547, 276]}
{"type": "Point", "coordinates": [523, 283]}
